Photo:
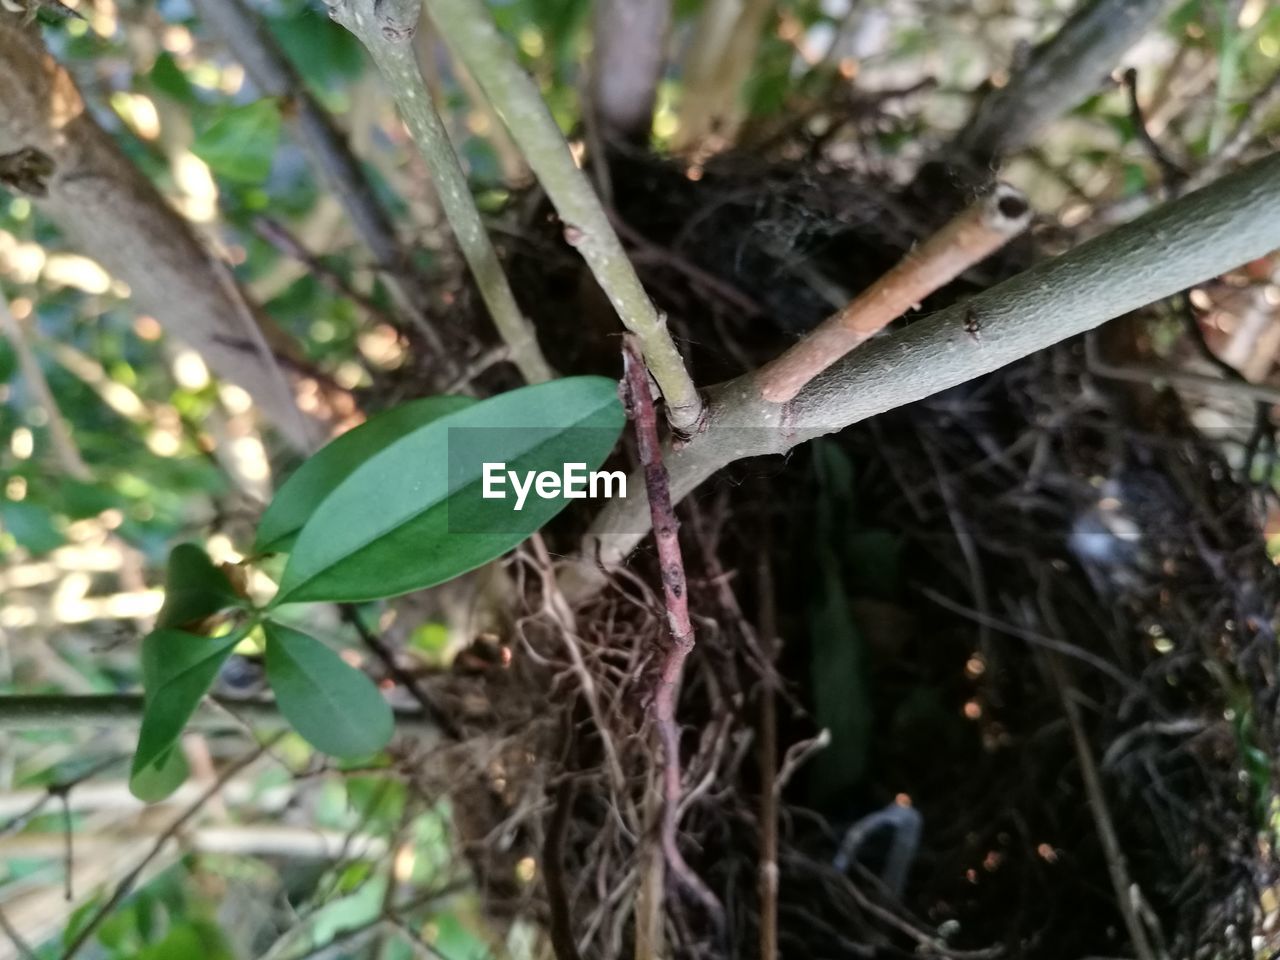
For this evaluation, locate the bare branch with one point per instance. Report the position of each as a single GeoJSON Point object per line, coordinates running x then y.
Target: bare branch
{"type": "Point", "coordinates": [470, 31]}
{"type": "Point", "coordinates": [675, 590]}
{"type": "Point", "coordinates": [125, 886]}
{"type": "Point", "coordinates": [386, 29]}
{"type": "Point", "coordinates": [275, 76]}
{"type": "Point", "coordinates": [1061, 73]}
{"type": "Point", "coordinates": [627, 60]}
{"type": "Point", "coordinates": [64, 446]}
{"type": "Point", "coordinates": [968, 239]}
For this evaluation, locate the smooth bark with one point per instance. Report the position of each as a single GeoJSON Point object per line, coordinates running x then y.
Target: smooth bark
{"type": "Point", "coordinates": [1184, 242]}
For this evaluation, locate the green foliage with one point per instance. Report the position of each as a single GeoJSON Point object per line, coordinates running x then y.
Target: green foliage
{"type": "Point", "coordinates": [186, 941]}
{"type": "Point", "coordinates": [841, 697]}
{"type": "Point", "coordinates": [240, 143]}
{"type": "Point", "coordinates": [193, 589]}
{"type": "Point", "coordinates": [167, 77]}
{"type": "Point", "coordinates": [323, 52]}
{"type": "Point", "coordinates": [8, 361]}
{"type": "Point", "coordinates": [852, 561]}
{"type": "Point", "coordinates": [32, 525]}
{"type": "Point", "coordinates": [371, 515]}
{"type": "Point", "coordinates": [335, 707]}
{"type": "Point", "coordinates": [177, 670]}
{"type": "Point", "coordinates": [298, 498]}
{"type": "Point", "coordinates": [411, 516]}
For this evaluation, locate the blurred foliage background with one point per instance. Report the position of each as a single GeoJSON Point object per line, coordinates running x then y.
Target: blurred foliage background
{"type": "Point", "coordinates": [135, 446]}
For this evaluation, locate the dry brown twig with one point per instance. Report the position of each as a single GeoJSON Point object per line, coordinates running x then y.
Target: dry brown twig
{"type": "Point", "coordinates": [972, 236]}
{"type": "Point", "coordinates": [125, 886]}
{"type": "Point", "coordinates": [769, 874]}
{"type": "Point", "coordinates": [1128, 894]}
{"type": "Point", "coordinates": [640, 407]}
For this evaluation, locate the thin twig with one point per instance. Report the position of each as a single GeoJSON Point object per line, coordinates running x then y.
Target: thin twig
{"type": "Point", "coordinates": [64, 447]}
{"type": "Point", "coordinates": [1183, 379]}
{"type": "Point", "coordinates": [470, 31]}
{"type": "Point", "coordinates": [25, 712]}
{"type": "Point", "coordinates": [60, 790]}
{"type": "Point", "coordinates": [386, 29]}
{"type": "Point", "coordinates": [639, 401]}
{"type": "Point", "coordinates": [797, 755]}
{"type": "Point", "coordinates": [1112, 850]}
{"type": "Point", "coordinates": [768, 765]}
{"type": "Point", "coordinates": [971, 237]}
{"type": "Point", "coordinates": [19, 944]}
{"type": "Point", "coordinates": [125, 886]}
{"type": "Point", "coordinates": [252, 44]}
{"type": "Point", "coordinates": [559, 610]}
{"type": "Point", "coordinates": [283, 239]}
{"type": "Point", "coordinates": [1170, 172]}
{"type": "Point", "coordinates": [386, 656]}
{"type": "Point", "coordinates": [1255, 112]}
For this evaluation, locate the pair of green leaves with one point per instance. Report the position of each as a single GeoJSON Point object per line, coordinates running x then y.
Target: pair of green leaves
{"type": "Point", "coordinates": [392, 506]}
{"type": "Point", "coordinates": [335, 707]}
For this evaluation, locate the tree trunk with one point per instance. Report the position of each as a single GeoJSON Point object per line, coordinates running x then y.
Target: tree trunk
{"type": "Point", "coordinates": [81, 180]}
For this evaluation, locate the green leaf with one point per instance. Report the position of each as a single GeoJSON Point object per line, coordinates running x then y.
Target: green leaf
{"type": "Point", "coordinates": [298, 498]}
{"type": "Point", "coordinates": [874, 560]}
{"type": "Point", "coordinates": [241, 143]}
{"type": "Point", "coordinates": [323, 52]}
{"type": "Point", "coordinates": [161, 777]}
{"type": "Point", "coordinates": [413, 516]}
{"type": "Point", "coordinates": [177, 671]}
{"type": "Point", "coordinates": [32, 525]}
{"type": "Point", "coordinates": [81, 500]}
{"type": "Point", "coordinates": [841, 700]}
{"type": "Point", "coordinates": [8, 361]}
{"type": "Point", "coordinates": [169, 79]}
{"type": "Point", "coordinates": [186, 940]}
{"type": "Point", "coordinates": [335, 707]}
{"type": "Point", "coordinates": [193, 589]}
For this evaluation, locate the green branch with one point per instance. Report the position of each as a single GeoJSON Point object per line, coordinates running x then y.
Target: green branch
{"type": "Point", "coordinates": [386, 27]}
{"type": "Point", "coordinates": [470, 31]}
{"type": "Point", "coordinates": [1188, 241]}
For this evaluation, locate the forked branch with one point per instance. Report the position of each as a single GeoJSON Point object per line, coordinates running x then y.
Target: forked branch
{"type": "Point", "coordinates": [470, 31]}
{"type": "Point", "coordinates": [970, 238]}
{"type": "Point", "coordinates": [386, 29]}
{"type": "Point", "coordinates": [1187, 241]}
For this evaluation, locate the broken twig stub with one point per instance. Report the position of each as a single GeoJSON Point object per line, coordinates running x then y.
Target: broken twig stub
{"type": "Point", "coordinates": [975, 234]}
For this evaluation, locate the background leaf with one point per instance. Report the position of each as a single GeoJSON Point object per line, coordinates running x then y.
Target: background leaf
{"type": "Point", "coordinates": [841, 699]}
{"type": "Point", "coordinates": [408, 518]}
{"type": "Point", "coordinates": [31, 525]}
{"type": "Point", "coordinates": [335, 707]}
{"type": "Point", "coordinates": [298, 498]}
{"type": "Point", "coordinates": [193, 588]}
{"type": "Point", "coordinates": [241, 143]}
{"type": "Point", "coordinates": [177, 670]}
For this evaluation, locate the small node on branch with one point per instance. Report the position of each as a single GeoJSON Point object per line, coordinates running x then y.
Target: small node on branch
{"type": "Point", "coordinates": [975, 234]}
